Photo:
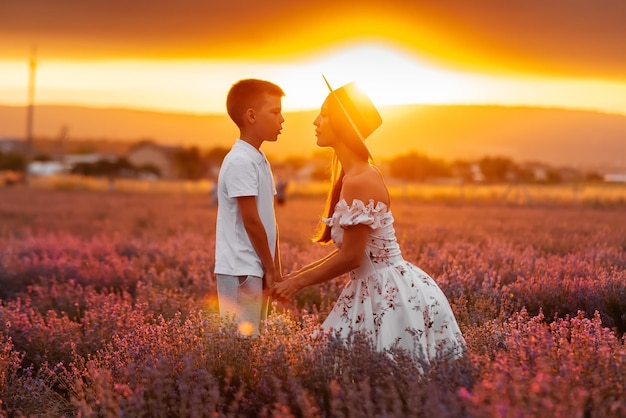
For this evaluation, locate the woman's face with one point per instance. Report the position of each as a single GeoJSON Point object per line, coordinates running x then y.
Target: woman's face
{"type": "Point", "coordinates": [324, 132]}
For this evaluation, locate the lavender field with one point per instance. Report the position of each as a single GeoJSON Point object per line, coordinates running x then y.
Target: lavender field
{"type": "Point", "coordinates": [108, 308]}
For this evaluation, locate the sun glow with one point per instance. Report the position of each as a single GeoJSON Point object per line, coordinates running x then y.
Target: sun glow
{"type": "Point", "coordinates": [389, 74]}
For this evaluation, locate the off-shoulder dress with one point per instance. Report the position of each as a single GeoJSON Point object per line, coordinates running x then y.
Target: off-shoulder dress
{"type": "Point", "coordinates": [388, 298]}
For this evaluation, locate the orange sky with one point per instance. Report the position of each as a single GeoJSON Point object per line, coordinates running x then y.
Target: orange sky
{"type": "Point", "coordinates": [580, 45]}
{"type": "Point", "coordinates": [565, 37]}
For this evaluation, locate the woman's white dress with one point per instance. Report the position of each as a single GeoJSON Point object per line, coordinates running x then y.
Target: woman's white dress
{"type": "Point", "coordinates": [388, 298]}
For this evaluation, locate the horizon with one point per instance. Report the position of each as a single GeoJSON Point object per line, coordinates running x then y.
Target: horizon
{"type": "Point", "coordinates": [555, 136]}
{"type": "Point", "coordinates": [96, 107]}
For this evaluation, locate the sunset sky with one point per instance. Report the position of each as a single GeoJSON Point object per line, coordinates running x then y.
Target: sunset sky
{"type": "Point", "coordinates": [182, 56]}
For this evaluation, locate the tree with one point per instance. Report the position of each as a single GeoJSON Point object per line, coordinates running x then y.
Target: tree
{"type": "Point", "coordinates": [43, 157]}
{"type": "Point", "coordinates": [497, 168]}
{"type": "Point", "coordinates": [296, 162]}
{"type": "Point", "coordinates": [417, 167]}
{"type": "Point", "coordinates": [120, 167]}
{"type": "Point", "coordinates": [216, 155]}
{"type": "Point", "coordinates": [214, 158]}
{"type": "Point", "coordinates": [190, 164]}
{"type": "Point", "coordinates": [12, 161]}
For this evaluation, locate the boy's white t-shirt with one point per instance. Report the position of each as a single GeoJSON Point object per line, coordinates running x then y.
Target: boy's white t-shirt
{"type": "Point", "coordinates": [244, 172]}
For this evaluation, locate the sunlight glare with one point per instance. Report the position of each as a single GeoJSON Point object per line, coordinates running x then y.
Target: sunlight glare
{"type": "Point", "coordinates": [388, 74]}
{"type": "Point", "coordinates": [172, 86]}
{"type": "Point", "coordinates": [391, 76]}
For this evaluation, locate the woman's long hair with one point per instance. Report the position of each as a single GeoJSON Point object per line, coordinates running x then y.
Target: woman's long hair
{"type": "Point", "coordinates": [336, 179]}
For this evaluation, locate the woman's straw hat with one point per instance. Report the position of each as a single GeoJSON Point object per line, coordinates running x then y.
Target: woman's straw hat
{"type": "Point", "coordinates": [358, 108]}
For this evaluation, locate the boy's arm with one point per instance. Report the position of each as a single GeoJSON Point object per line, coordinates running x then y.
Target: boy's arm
{"type": "Point", "coordinates": [277, 261]}
{"type": "Point", "coordinates": [258, 237]}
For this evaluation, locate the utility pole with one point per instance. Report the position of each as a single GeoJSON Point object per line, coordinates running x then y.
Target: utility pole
{"type": "Point", "coordinates": [61, 146]}
{"type": "Point", "coordinates": [29, 112]}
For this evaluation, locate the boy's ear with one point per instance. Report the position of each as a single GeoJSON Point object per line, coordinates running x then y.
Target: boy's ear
{"type": "Point", "coordinates": [250, 115]}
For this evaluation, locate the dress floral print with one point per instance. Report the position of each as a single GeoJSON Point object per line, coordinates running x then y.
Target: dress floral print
{"type": "Point", "coordinates": [392, 301]}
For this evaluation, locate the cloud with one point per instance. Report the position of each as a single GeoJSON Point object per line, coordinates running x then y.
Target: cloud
{"type": "Point", "coordinates": [582, 38]}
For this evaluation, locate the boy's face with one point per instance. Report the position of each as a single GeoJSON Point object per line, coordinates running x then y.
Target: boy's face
{"type": "Point", "coordinates": [268, 118]}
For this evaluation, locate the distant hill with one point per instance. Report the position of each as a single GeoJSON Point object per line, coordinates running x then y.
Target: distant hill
{"type": "Point", "coordinates": [581, 139]}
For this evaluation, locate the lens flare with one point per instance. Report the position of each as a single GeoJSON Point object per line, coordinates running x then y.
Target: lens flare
{"type": "Point", "coordinates": [246, 328]}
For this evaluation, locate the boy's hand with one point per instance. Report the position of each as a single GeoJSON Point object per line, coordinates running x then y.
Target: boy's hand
{"type": "Point", "coordinates": [269, 281]}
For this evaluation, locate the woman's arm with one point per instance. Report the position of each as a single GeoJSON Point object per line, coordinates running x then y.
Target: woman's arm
{"type": "Point", "coordinates": [314, 264]}
{"type": "Point", "coordinates": [352, 251]}
{"type": "Point", "coordinates": [347, 258]}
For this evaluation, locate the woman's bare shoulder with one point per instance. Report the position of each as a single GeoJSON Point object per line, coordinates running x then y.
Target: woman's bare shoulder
{"type": "Point", "coordinates": [365, 186]}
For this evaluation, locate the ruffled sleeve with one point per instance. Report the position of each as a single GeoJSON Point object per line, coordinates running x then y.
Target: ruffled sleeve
{"type": "Point", "coordinates": [373, 215]}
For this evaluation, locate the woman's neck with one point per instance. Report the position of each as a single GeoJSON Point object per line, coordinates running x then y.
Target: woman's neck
{"type": "Point", "coordinates": [350, 162]}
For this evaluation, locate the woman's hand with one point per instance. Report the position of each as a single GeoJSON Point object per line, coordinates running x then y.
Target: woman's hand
{"type": "Point", "coordinates": [287, 289]}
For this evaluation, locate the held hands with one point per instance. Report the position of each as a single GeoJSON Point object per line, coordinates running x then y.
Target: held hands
{"type": "Point", "coordinates": [287, 288]}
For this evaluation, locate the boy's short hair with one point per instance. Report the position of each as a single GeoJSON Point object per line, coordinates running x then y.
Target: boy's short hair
{"type": "Point", "coordinates": [244, 94]}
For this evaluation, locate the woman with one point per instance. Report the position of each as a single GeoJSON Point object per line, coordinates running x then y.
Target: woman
{"type": "Point", "coordinates": [387, 298]}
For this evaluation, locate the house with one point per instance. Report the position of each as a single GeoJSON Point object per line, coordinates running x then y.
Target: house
{"type": "Point", "coordinates": [539, 172]}
{"type": "Point", "coordinates": [148, 153]}
{"type": "Point", "coordinates": [615, 178]}
{"type": "Point", "coordinates": [66, 163]}
{"type": "Point", "coordinates": [45, 168]}
{"type": "Point", "coordinates": [71, 160]}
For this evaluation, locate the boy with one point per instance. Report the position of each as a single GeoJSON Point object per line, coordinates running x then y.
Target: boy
{"type": "Point", "coordinates": [247, 260]}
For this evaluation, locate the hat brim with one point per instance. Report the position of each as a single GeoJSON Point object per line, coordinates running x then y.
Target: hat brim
{"type": "Point", "coordinates": [359, 109]}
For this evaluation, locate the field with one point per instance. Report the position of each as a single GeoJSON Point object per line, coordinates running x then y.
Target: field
{"type": "Point", "coordinates": [108, 308]}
